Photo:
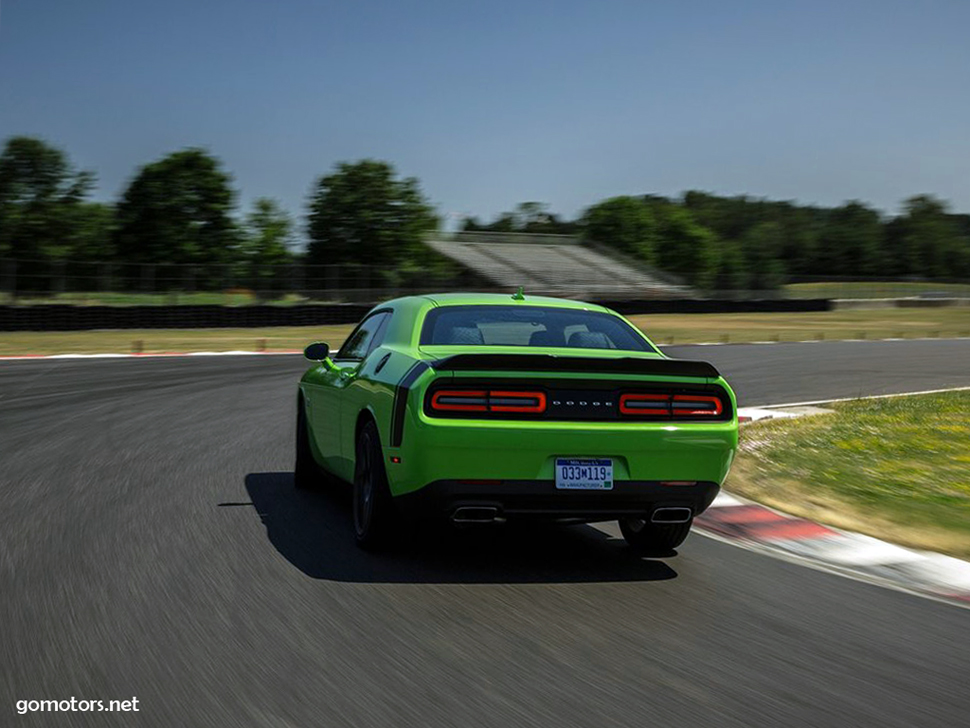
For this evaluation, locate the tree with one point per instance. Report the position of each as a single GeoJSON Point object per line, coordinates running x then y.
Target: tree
{"type": "Point", "coordinates": [686, 248]}
{"type": "Point", "coordinates": [362, 213]}
{"type": "Point", "coordinates": [731, 273]}
{"type": "Point", "coordinates": [265, 244]}
{"type": "Point", "coordinates": [90, 232]}
{"type": "Point", "coordinates": [850, 241]}
{"type": "Point", "coordinates": [472, 224]}
{"type": "Point", "coordinates": [528, 217]}
{"type": "Point", "coordinates": [39, 194]}
{"type": "Point", "coordinates": [926, 240]}
{"type": "Point", "coordinates": [178, 211]}
{"type": "Point", "coordinates": [531, 215]}
{"type": "Point", "coordinates": [732, 217]}
{"type": "Point", "coordinates": [624, 223]}
{"type": "Point", "coordinates": [761, 246]}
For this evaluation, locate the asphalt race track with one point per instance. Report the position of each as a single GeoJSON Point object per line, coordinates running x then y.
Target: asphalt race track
{"type": "Point", "coordinates": [152, 545]}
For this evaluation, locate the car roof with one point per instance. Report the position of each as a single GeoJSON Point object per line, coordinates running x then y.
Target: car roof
{"type": "Point", "coordinates": [495, 299]}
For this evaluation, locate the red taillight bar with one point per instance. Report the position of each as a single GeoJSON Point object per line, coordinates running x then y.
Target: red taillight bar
{"type": "Point", "coordinates": [632, 404]}
{"type": "Point", "coordinates": [460, 400]}
{"type": "Point", "coordinates": [505, 402]}
{"type": "Point", "coordinates": [646, 405]}
{"type": "Point", "coordinates": [694, 405]}
{"type": "Point", "coordinates": [480, 400]}
{"type": "Point", "coordinates": [671, 405]}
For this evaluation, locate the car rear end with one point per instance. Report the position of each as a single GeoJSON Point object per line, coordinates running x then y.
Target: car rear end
{"type": "Point", "coordinates": [573, 435]}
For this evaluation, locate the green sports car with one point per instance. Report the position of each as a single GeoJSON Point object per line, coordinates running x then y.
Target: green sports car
{"type": "Point", "coordinates": [485, 407]}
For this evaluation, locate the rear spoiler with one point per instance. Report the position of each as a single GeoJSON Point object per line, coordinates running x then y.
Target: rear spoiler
{"type": "Point", "coordinates": [587, 364]}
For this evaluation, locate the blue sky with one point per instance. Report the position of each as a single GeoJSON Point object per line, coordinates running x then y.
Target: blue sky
{"type": "Point", "coordinates": [490, 104]}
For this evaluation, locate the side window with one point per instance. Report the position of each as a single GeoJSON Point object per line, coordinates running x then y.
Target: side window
{"type": "Point", "coordinates": [362, 340]}
{"type": "Point", "coordinates": [380, 332]}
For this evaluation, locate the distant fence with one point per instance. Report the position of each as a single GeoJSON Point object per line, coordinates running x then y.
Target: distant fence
{"type": "Point", "coordinates": [60, 317]}
{"type": "Point", "coordinates": [33, 282]}
{"type": "Point", "coordinates": [83, 282]}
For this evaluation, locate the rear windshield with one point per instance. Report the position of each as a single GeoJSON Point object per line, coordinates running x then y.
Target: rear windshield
{"type": "Point", "coordinates": [529, 326]}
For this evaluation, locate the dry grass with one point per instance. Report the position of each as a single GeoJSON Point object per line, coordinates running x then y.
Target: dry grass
{"type": "Point", "coordinates": [164, 340]}
{"type": "Point", "coordinates": [662, 328]}
{"type": "Point", "coordinates": [875, 289]}
{"type": "Point", "coordinates": [842, 324]}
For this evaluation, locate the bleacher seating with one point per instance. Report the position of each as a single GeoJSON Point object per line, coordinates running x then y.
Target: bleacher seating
{"type": "Point", "coordinates": [554, 265]}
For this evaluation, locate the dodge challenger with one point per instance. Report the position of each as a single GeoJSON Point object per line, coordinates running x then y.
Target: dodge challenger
{"type": "Point", "coordinates": [480, 408]}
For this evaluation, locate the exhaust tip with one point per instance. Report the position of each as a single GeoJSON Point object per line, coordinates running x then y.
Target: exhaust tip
{"type": "Point", "coordinates": [672, 515]}
{"type": "Point", "coordinates": [475, 514]}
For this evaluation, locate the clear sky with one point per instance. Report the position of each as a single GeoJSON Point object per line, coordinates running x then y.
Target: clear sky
{"type": "Point", "coordinates": [494, 103]}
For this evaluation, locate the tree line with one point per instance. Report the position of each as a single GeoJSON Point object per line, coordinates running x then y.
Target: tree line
{"type": "Point", "coordinates": [181, 210]}
{"type": "Point", "coordinates": [746, 243]}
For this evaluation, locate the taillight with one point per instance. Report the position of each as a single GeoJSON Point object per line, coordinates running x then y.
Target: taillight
{"type": "Point", "coordinates": [481, 400]}
{"type": "Point", "coordinates": [670, 405]}
{"type": "Point", "coordinates": [697, 405]}
{"type": "Point", "coordinates": [525, 402]}
{"type": "Point", "coordinates": [652, 405]}
{"type": "Point", "coordinates": [449, 400]}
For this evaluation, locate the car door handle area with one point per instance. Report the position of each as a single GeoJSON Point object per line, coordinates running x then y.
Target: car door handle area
{"type": "Point", "coordinates": [382, 362]}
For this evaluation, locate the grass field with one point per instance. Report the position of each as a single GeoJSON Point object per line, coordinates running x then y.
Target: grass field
{"type": "Point", "coordinates": [845, 324]}
{"type": "Point", "coordinates": [875, 289]}
{"type": "Point", "coordinates": [662, 328]}
{"type": "Point", "coordinates": [897, 468]}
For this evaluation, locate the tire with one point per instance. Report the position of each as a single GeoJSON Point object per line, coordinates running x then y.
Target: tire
{"type": "Point", "coordinates": [653, 538]}
{"type": "Point", "coordinates": [306, 474]}
{"type": "Point", "coordinates": [374, 522]}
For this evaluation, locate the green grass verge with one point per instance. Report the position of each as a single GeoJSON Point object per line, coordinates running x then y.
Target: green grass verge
{"type": "Point", "coordinates": [662, 328]}
{"type": "Point", "coordinates": [897, 468]}
{"type": "Point", "coordinates": [874, 289]}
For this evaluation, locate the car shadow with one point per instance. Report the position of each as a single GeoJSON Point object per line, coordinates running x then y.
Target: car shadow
{"type": "Point", "coordinates": [313, 531]}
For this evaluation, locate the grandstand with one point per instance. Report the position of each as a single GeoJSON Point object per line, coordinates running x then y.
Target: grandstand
{"type": "Point", "coordinates": [557, 265]}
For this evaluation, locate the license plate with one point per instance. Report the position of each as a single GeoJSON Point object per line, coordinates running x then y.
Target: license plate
{"type": "Point", "coordinates": [584, 474]}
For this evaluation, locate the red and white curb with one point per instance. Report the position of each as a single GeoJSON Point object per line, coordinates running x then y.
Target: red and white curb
{"type": "Point", "coordinates": [760, 528]}
{"type": "Point", "coordinates": [754, 414]}
{"type": "Point", "coordinates": [755, 526]}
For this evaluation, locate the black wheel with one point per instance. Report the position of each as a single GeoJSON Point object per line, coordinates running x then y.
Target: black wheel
{"type": "Point", "coordinates": [306, 474]}
{"type": "Point", "coordinates": [653, 538]}
{"type": "Point", "coordinates": [373, 509]}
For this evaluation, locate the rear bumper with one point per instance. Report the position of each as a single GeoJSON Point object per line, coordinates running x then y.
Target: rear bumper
{"type": "Point", "coordinates": [524, 452]}
{"type": "Point", "coordinates": [540, 499]}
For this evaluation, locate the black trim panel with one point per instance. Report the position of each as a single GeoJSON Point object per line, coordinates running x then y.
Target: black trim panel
{"type": "Point", "coordinates": [400, 406]}
{"type": "Point", "coordinates": [556, 363]}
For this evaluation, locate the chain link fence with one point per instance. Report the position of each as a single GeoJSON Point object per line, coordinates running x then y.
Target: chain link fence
{"type": "Point", "coordinates": [25, 282]}
{"type": "Point", "coordinates": [119, 283]}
